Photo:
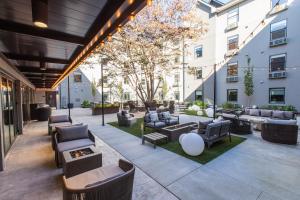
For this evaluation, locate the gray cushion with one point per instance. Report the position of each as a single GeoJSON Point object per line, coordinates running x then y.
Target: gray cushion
{"type": "Point", "coordinates": [157, 124]}
{"type": "Point", "coordinates": [288, 115]}
{"type": "Point", "coordinates": [147, 118]}
{"type": "Point", "coordinates": [247, 111]}
{"type": "Point", "coordinates": [254, 112]}
{"type": "Point", "coordinates": [203, 124]}
{"type": "Point", "coordinates": [278, 114]}
{"type": "Point", "coordinates": [59, 118]}
{"type": "Point", "coordinates": [172, 121]}
{"type": "Point", "coordinates": [154, 117]}
{"type": "Point", "coordinates": [230, 116]}
{"type": "Point", "coordinates": [65, 146]}
{"type": "Point", "coordinates": [166, 115]}
{"type": "Point", "coordinates": [266, 113]}
{"type": "Point", "coordinates": [283, 122]}
{"type": "Point", "coordinates": [68, 133]}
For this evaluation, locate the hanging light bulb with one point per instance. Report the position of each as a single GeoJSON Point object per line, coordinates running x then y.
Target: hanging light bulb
{"type": "Point", "coordinates": [119, 29]}
{"type": "Point", "coordinates": [40, 13]}
{"type": "Point", "coordinates": [131, 17]}
{"type": "Point", "coordinates": [109, 38]}
{"type": "Point", "coordinates": [102, 44]}
{"type": "Point", "coordinates": [149, 2]}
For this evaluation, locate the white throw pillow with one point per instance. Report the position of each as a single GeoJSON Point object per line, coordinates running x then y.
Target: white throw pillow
{"type": "Point", "coordinates": [154, 117]}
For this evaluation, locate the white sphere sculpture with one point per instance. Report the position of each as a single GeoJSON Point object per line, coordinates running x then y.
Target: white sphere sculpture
{"type": "Point", "coordinates": [192, 144]}
{"type": "Point", "coordinates": [200, 112]}
{"type": "Point", "coordinates": [180, 137]}
{"type": "Point", "coordinates": [209, 112]}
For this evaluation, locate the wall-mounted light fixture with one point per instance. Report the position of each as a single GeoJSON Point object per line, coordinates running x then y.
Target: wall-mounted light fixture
{"type": "Point", "coordinates": [40, 13]}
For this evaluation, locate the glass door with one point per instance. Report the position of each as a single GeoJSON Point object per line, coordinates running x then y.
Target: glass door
{"type": "Point", "coordinates": [5, 114]}
{"type": "Point", "coordinates": [11, 110]}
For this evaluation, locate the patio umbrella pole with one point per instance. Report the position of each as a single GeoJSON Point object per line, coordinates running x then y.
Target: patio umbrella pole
{"type": "Point", "coordinates": [215, 88]}
{"type": "Point", "coordinates": [69, 96]}
{"type": "Point", "coordinates": [102, 97]}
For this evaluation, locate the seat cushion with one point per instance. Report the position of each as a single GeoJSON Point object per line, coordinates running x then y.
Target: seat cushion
{"type": "Point", "coordinates": [254, 112]}
{"type": "Point", "coordinates": [281, 122]}
{"type": "Point", "coordinates": [288, 115]}
{"type": "Point", "coordinates": [266, 113]}
{"type": "Point", "coordinates": [93, 177]}
{"type": "Point", "coordinates": [68, 133]}
{"type": "Point", "coordinates": [172, 121]}
{"type": "Point", "coordinates": [154, 117]}
{"type": "Point", "coordinates": [278, 114]}
{"type": "Point", "coordinates": [59, 118]}
{"type": "Point", "coordinates": [65, 146]}
{"type": "Point", "coordinates": [157, 124]}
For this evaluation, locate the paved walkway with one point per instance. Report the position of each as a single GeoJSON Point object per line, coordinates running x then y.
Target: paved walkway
{"type": "Point", "coordinates": [255, 169]}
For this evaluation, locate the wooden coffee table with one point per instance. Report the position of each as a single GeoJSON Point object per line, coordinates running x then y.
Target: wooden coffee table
{"type": "Point", "coordinates": [174, 132]}
{"type": "Point", "coordinates": [154, 138]}
{"type": "Point", "coordinates": [77, 161]}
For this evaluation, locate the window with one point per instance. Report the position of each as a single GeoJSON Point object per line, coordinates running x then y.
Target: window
{"type": "Point", "coordinates": [77, 77]}
{"type": "Point", "coordinates": [126, 96]}
{"type": "Point", "coordinates": [232, 95]}
{"type": "Point", "coordinates": [277, 95]}
{"type": "Point", "coordinates": [233, 42]}
{"type": "Point", "coordinates": [176, 80]}
{"type": "Point", "coordinates": [232, 18]}
{"type": "Point", "coordinates": [104, 79]}
{"type": "Point", "coordinates": [143, 81]}
{"type": "Point", "coordinates": [198, 51]}
{"type": "Point", "coordinates": [277, 63]}
{"type": "Point", "coordinates": [177, 95]}
{"type": "Point", "coordinates": [278, 30]}
{"type": "Point", "coordinates": [126, 80]}
{"type": "Point", "coordinates": [232, 69]}
{"type": "Point", "coordinates": [280, 2]}
{"type": "Point", "coordinates": [199, 74]}
{"type": "Point", "coordinates": [105, 96]}
{"type": "Point", "coordinates": [198, 95]}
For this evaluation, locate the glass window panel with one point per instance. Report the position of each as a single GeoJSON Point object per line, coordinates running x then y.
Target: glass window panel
{"type": "Point", "coordinates": [233, 42]}
{"type": "Point", "coordinates": [232, 69]}
{"type": "Point", "coordinates": [277, 95]}
{"type": "Point", "coordinates": [198, 95]}
{"type": "Point", "coordinates": [277, 63]}
{"type": "Point", "coordinates": [77, 77]}
{"type": "Point", "coordinates": [199, 74]}
{"type": "Point", "coordinates": [198, 51]}
{"type": "Point", "coordinates": [278, 25]}
{"type": "Point", "coordinates": [232, 95]}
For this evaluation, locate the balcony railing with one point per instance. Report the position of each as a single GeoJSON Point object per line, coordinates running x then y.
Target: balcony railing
{"type": "Point", "coordinates": [278, 74]}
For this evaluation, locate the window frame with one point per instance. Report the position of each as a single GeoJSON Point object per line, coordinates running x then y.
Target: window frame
{"type": "Point", "coordinates": [233, 36]}
{"type": "Point", "coordinates": [202, 96]}
{"type": "Point", "coordinates": [237, 95]}
{"type": "Point", "coordinates": [270, 67]}
{"type": "Point", "coordinates": [286, 28]}
{"type": "Point", "coordinates": [276, 103]}
{"type": "Point", "coordinates": [236, 15]}
{"type": "Point", "coordinates": [196, 75]}
{"type": "Point", "coordinates": [176, 83]}
{"type": "Point", "coordinates": [237, 68]}
{"type": "Point", "coordinates": [195, 50]}
{"type": "Point", "coordinates": [75, 80]}
{"type": "Point", "coordinates": [124, 95]}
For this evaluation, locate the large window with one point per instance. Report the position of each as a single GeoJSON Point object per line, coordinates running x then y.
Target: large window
{"type": "Point", "coordinates": [233, 42]}
{"type": "Point", "coordinates": [198, 51]}
{"type": "Point", "coordinates": [199, 74]}
{"type": "Point", "coordinates": [277, 63]}
{"type": "Point", "coordinates": [277, 95]}
{"type": "Point", "coordinates": [278, 30]}
{"type": "Point", "coordinates": [198, 95]}
{"type": "Point", "coordinates": [126, 96]}
{"type": "Point", "coordinates": [232, 69]}
{"type": "Point", "coordinates": [77, 77]}
{"type": "Point", "coordinates": [232, 95]}
{"type": "Point", "coordinates": [232, 18]}
{"type": "Point", "coordinates": [279, 2]}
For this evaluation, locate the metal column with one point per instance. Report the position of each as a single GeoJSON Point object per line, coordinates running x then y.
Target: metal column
{"type": "Point", "coordinates": [215, 90]}
{"type": "Point", "coordinates": [102, 96]}
{"type": "Point", "coordinates": [69, 103]}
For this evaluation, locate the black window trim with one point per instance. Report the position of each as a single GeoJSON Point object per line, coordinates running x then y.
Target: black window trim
{"type": "Point", "coordinates": [270, 95]}
{"type": "Point", "coordinates": [286, 28]}
{"type": "Point", "coordinates": [237, 92]}
{"type": "Point", "coordinates": [277, 55]}
{"type": "Point", "coordinates": [202, 94]}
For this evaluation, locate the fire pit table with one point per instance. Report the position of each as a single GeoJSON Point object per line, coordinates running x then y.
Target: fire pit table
{"type": "Point", "coordinates": [77, 161]}
{"type": "Point", "coordinates": [173, 132]}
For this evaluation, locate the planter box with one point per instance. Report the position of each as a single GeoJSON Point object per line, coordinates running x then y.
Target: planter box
{"type": "Point", "coordinates": [110, 110]}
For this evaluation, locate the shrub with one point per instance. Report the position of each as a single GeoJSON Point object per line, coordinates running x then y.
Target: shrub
{"type": "Point", "coordinates": [278, 107]}
{"type": "Point", "coordinates": [106, 105]}
{"type": "Point", "coordinates": [85, 104]}
{"type": "Point", "coordinates": [201, 104]}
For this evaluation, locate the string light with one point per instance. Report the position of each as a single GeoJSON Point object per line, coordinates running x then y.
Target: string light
{"type": "Point", "coordinates": [119, 28]}
{"type": "Point", "coordinates": [149, 2]}
{"type": "Point", "coordinates": [102, 44]}
{"type": "Point", "coordinates": [131, 17]}
{"type": "Point", "coordinates": [109, 38]}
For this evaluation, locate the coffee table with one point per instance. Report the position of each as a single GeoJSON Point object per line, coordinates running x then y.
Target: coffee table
{"type": "Point", "coordinates": [173, 132]}
{"type": "Point", "coordinates": [154, 138]}
{"type": "Point", "coordinates": [77, 161]}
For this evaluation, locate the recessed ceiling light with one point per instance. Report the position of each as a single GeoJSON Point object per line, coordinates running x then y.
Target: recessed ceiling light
{"type": "Point", "coordinates": [40, 13]}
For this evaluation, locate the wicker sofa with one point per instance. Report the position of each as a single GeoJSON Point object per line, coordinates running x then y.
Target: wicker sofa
{"type": "Point", "coordinates": [125, 119]}
{"type": "Point", "coordinates": [158, 120]}
{"type": "Point", "coordinates": [280, 131]}
{"type": "Point", "coordinates": [71, 137]}
{"type": "Point", "coordinates": [238, 125]}
{"type": "Point", "coordinates": [109, 183]}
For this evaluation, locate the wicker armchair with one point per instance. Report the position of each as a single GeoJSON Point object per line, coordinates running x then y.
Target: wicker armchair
{"type": "Point", "coordinates": [126, 119]}
{"type": "Point", "coordinates": [43, 113]}
{"type": "Point", "coordinates": [117, 187]}
{"type": "Point", "coordinates": [238, 126]}
{"type": "Point", "coordinates": [280, 133]}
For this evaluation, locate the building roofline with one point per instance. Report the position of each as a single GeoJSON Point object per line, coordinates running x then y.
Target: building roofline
{"type": "Point", "coordinates": [229, 5]}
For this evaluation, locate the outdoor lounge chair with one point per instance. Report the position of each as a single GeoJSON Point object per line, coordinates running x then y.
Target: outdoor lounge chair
{"type": "Point", "coordinates": [238, 126]}
{"type": "Point", "coordinates": [280, 131]}
{"type": "Point", "coordinates": [216, 131]}
{"type": "Point", "coordinates": [125, 119]}
{"type": "Point", "coordinates": [107, 183]}
{"type": "Point", "coordinates": [71, 137]}
{"type": "Point", "coordinates": [57, 119]}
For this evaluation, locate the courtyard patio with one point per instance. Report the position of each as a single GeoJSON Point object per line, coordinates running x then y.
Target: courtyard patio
{"type": "Point", "coordinates": [255, 169]}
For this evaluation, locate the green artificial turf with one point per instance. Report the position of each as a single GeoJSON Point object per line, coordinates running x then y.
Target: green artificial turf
{"type": "Point", "coordinates": [208, 154]}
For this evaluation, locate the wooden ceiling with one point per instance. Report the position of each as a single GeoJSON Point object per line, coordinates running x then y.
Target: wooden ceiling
{"type": "Point", "coordinates": [72, 26]}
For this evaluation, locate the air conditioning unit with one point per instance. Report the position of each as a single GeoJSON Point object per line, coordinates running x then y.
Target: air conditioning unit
{"type": "Point", "coordinates": [232, 79]}
{"type": "Point", "coordinates": [231, 26]}
{"type": "Point", "coordinates": [231, 53]}
{"type": "Point", "coordinates": [277, 75]}
{"type": "Point", "coordinates": [278, 42]}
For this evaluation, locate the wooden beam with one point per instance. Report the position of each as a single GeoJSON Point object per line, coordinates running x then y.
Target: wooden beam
{"type": "Point", "coordinates": [38, 70]}
{"type": "Point", "coordinates": [39, 32]}
{"type": "Point", "coordinates": [14, 56]}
